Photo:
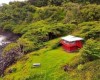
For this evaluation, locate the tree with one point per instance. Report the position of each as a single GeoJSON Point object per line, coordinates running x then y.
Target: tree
{"type": "Point", "coordinates": [38, 3]}
{"type": "Point", "coordinates": [91, 50]}
{"type": "Point", "coordinates": [56, 2]}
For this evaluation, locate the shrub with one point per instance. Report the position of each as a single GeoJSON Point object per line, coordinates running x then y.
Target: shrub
{"type": "Point", "coordinates": [56, 45]}
{"type": "Point", "coordinates": [38, 3]}
{"type": "Point", "coordinates": [72, 12]}
{"type": "Point", "coordinates": [77, 61]}
{"type": "Point", "coordinates": [10, 47]}
{"type": "Point", "coordinates": [90, 12]}
{"type": "Point", "coordinates": [91, 50]}
{"type": "Point", "coordinates": [12, 70]}
{"type": "Point", "coordinates": [80, 67]}
{"type": "Point", "coordinates": [89, 30]}
{"type": "Point", "coordinates": [25, 45]}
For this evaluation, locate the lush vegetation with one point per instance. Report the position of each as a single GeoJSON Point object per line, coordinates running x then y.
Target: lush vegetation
{"type": "Point", "coordinates": [50, 69]}
{"type": "Point", "coordinates": [37, 22]}
{"type": "Point", "coordinates": [40, 24]}
{"type": "Point", "coordinates": [52, 66]}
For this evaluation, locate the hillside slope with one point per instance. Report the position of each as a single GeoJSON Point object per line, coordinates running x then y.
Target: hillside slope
{"type": "Point", "coordinates": [52, 61]}
{"type": "Point", "coordinates": [52, 66]}
{"type": "Point", "coordinates": [39, 26]}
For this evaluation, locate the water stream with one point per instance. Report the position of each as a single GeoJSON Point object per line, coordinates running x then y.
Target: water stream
{"type": "Point", "coordinates": [6, 37]}
{"type": "Point", "coordinates": [3, 42]}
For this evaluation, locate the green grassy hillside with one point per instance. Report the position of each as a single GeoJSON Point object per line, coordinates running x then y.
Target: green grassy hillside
{"type": "Point", "coordinates": [52, 66]}
{"type": "Point", "coordinates": [40, 24]}
{"type": "Point", "coordinates": [52, 62]}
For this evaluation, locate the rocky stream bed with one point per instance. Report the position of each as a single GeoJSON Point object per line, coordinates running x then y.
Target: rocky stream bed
{"type": "Point", "coordinates": [6, 38]}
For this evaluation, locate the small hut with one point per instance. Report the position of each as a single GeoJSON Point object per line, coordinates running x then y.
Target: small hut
{"type": "Point", "coordinates": [71, 43]}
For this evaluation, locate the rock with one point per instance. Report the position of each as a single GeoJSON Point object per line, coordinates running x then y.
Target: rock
{"type": "Point", "coordinates": [10, 71]}
{"type": "Point", "coordinates": [67, 68]}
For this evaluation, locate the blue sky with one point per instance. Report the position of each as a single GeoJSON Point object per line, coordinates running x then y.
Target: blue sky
{"type": "Point", "coordinates": [7, 1]}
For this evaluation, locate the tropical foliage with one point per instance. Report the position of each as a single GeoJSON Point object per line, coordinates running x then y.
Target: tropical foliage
{"type": "Point", "coordinates": [39, 25]}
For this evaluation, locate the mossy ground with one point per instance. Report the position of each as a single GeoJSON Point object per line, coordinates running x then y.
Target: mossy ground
{"type": "Point", "coordinates": [52, 62]}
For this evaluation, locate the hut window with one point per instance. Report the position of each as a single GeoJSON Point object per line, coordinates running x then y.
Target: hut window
{"type": "Point", "coordinates": [72, 42]}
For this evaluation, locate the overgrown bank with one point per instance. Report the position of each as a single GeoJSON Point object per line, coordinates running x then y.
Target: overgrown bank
{"type": "Point", "coordinates": [37, 25]}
